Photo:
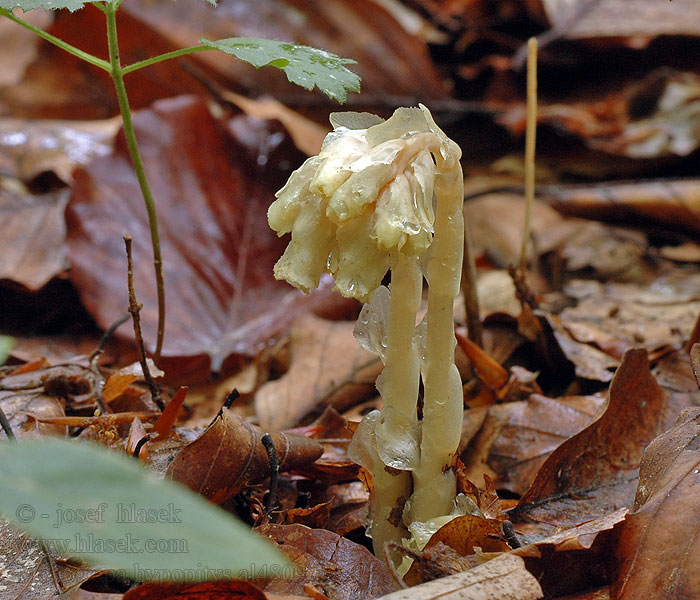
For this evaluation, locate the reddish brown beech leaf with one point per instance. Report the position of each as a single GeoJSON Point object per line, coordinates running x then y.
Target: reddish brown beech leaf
{"type": "Point", "coordinates": [462, 534]}
{"type": "Point", "coordinates": [658, 548]}
{"type": "Point", "coordinates": [229, 455]}
{"type": "Point", "coordinates": [212, 189]}
{"type": "Point", "coordinates": [209, 590]}
{"type": "Point", "coordinates": [595, 472]}
{"type": "Point", "coordinates": [328, 368]}
{"type": "Point", "coordinates": [339, 568]}
{"type": "Point", "coordinates": [517, 437]}
{"type": "Point", "coordinates": [573, 559]}
{"type": "Point", "coordinates": [33, 232]}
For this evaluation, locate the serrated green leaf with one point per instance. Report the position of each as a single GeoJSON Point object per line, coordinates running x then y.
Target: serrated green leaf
{"type": "Point", "coordinates": [305, 66]}
{"type": "Point", "coordinates": [26, 5]}
{"type": "Point", "coordinates": [87, 501]}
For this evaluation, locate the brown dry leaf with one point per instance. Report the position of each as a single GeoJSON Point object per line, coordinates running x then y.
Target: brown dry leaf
{"type": "Point", "coordinates": [496, 224]}
{"type": "Point", "coordinates": [33, 231]}
{"type": "Point", "coordinates": [19, 46]}
{"type": "Point", "coordinates": [339, 568]}
{"type": "Point", "coordinates": [316, 517]}
{"type": "Point", "coordinates": [657, 551]}
{"type": "Point", "coordinates": [33, 399]}
{"type": "Point", "coordinates": [217, 246]}
{"type": "Point", "coordinates": [25, 573]}
{"type": "Point", "coordinates": [573, 559]}
{"type": "Point", "coordinates": [517, 437]}
{"type": "Point", "coordinates": [463, 534]}
{"type": "Point", "coordinates": [208, 590]}
{"type": "Point", "coordinates": [595, 472]}
{"type": "Point", "coordinates": [229, 456]}
{"type": "Point", "coordinates": [663, 203]}
{"type": "Point", "coordinates": [617, 18]}
{"type": "Point", "coordinates": [616, 317]}
{"type": "Point", "coordinates": [333, 431]}
{"type": "Point", "coordinates": [610, 319]}
{"type": "Point", "coordinates": [328, 368]}
{"type": "Point", "coordinates": [307, 134]}
{"type": "Point", "coordinates": [503, 577]}
{"type": "Point", "coordinates": [608, 252]}
{"type": "Point", "coordinates": [29, 148]}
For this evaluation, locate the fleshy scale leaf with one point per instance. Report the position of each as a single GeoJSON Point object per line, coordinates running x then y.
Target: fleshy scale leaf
{"type": "Point", "coordinates": [303, 65]}
{"type": "Point", "coordinates": [86, 501]}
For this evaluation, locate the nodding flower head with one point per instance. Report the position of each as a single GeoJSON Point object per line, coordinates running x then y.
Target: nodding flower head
{"type": "Point", "coordinates": [368, 194]}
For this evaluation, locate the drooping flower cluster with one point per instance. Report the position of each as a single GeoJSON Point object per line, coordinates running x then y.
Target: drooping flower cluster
{"type": "Point", "coordinates": [368, 193]}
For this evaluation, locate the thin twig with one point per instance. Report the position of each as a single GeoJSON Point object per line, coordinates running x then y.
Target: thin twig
{"type": "Point", "coordinates": [530, 137]}
{"type": "Point", "coordinates": [6, 426]}
{"type": "Point", "coordinates": [469, 291]}
{"type": "Point", "coordinates": [134, 309]}
{"type": "Point", "coordinates": [107, 335]}
{"type": "Point", "coordinates": [58, 584]}
{"type": "Point", "coordinates": [271, 502]}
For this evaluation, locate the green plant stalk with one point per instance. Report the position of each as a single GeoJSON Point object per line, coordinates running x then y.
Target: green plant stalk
{"type": "Point", "coordinates": [117, 73]}
{"type": "Point", "coordinates": [162, 57]}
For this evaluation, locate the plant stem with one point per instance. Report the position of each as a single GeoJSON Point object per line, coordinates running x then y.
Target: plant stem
{"type": "Point", "coordinates": [130, 135]}
{"type": "Point", "coordinates": [167, 56]}
{"type": "Point", "coordinates": [87, 57]}
{"type": "Point", "coordinates": [397, 438]}
{"type": "Point", "coordinates": [530, 131]}
{"type": "Point", "coordinates": [434, 483]}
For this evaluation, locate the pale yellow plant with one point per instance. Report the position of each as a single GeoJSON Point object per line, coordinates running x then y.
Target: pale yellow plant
{"type": "Point", "coordinates": [388, 195]}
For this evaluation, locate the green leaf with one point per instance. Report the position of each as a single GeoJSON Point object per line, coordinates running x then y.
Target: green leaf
{"type": "Point", "coordinates": [26, 5]}
{"type": "Point", "coordinates": [305, 66]}
{"type": "Point", "coordinates": [87, 501]}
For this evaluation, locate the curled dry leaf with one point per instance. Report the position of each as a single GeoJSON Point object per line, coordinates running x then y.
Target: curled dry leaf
{"type": "Point", "coordinates": [573, 559]}
{"type": "Point", "coordinates": [339, 568]}
{"type": "Point", "coordinates": [328, 368]}
{"type": "Point", "coordinates": [217, 246]}
{"type": "Point", "coordinates": [657, 551]}
{"type": "Point", "coordinates": [229, 456]}
{"type": "Point", "coordinates": [595, 472]}
{"type": "Point", "coordinates": [463, 534]}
